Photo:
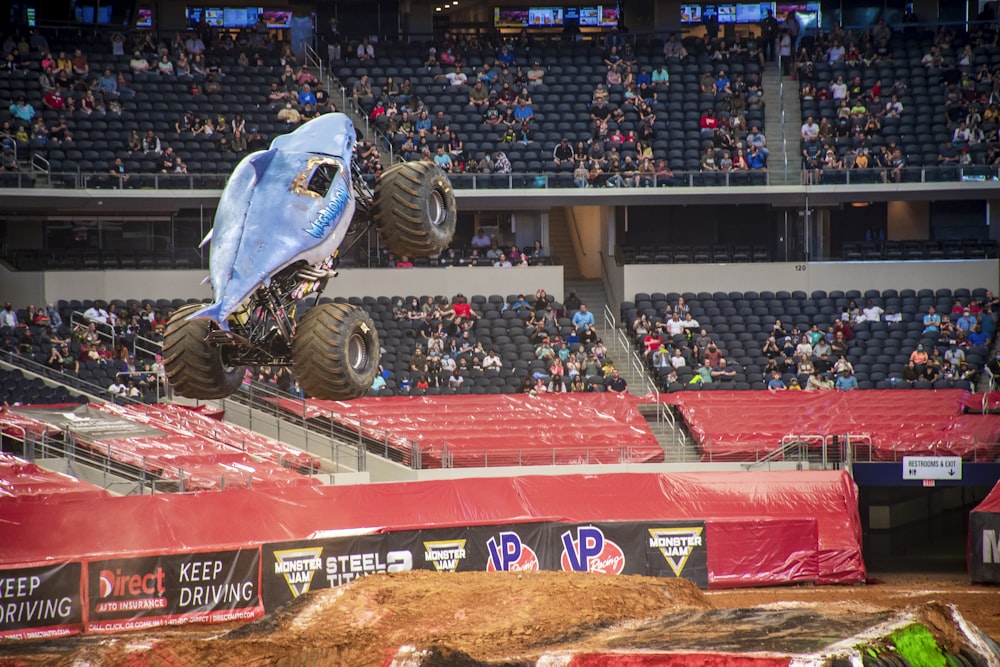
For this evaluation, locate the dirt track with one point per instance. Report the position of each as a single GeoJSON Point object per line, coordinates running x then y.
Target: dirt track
{"type": "Point", "coordinates": [491, 617]}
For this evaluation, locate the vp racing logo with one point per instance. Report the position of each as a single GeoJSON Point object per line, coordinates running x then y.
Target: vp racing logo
{"type": "Point", "coordinates": [676, 545]}
{"type": "Point", "coordinates": [507, 553]}
{"type": "Point", "coordinates": [445, 555]}
{"type": "Point", "coordinates": [590, 551]}
{"type": "Point", "coordinates": [298, 567]}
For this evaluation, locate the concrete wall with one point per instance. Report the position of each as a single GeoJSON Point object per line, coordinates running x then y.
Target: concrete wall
{"type": "Point", "coordinates": [23, 288]}
{"type": "Point", "coordinates": [808, 276]}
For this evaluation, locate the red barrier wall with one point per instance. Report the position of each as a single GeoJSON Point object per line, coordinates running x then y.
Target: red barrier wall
{"type": "Point", "coordinates": [749, 541]}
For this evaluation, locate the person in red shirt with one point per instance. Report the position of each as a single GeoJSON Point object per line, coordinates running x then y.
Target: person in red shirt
{"type": "Point", "coordinates": [839, 326]}
{"type": "Point", "coordinates": [463, 309]}
{"type": "Point", "coordinates": [54, 99]}
{"type": "Point", "coordinates": [709, 123]}
{"type": "Point", "coordinates": [404, 263]}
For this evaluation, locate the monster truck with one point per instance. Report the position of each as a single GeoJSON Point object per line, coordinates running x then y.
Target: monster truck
{"type": "Point", "coordinates": [276, 239]}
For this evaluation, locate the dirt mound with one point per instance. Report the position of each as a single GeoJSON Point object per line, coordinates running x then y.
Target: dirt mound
{"type": "Point", "coordinates": [465, 619]}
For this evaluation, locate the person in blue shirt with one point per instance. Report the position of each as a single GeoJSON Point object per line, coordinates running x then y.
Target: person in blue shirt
{"type": "Point", "coordinates": [756, 159]}
{"type": "Point", "coordinates": [306, 96]}
{"type": "Point", "coordinates": [846, 382]}
{"type": "Point", "coordinates": [582, 317]}
{"type": "Point", "coordinates": [644, 77]}
{"type": "Point", "coordinates": [523, 111]}
{"type": "Point", "coordinates": [776, 383]}
{"type": "Point", "coordinates": [966, 321]}
{"type": "Point", "coordinates": [932, 321]}
{"type": "Point", "coordinates": [978, 336]}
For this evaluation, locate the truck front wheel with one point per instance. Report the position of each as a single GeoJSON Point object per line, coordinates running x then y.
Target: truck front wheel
{"type": "Point", "coordinates": [194, 368]}
{"type": "Point", "coordinates": [335, 352]}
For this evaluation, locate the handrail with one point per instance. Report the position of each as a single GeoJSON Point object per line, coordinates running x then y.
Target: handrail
{"type": "Point", "coordinates": [970, 176]}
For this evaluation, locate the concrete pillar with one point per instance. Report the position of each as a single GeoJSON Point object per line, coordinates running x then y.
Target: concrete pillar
{"type": "Point", "coordinates": [908, 220]}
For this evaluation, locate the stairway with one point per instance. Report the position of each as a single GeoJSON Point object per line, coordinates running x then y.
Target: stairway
{"type": "Point", "coordinates": [781, 118]}
{"type": "Point", "coordinates": [561, 246]}
{"type": "Point", "coordinates": [669, 431]}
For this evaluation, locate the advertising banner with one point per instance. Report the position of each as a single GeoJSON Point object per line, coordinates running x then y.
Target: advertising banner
{"type": "Point", "coordinates": [984, 545]}
{"type": "Point", "coordinates": [664, 549]}
{"type": "Point", "coordinates": [212, 587]}
{"type": "Point", "coordinates": [291, 569]}
{"type": "Point", "coordinates": [39, 602]}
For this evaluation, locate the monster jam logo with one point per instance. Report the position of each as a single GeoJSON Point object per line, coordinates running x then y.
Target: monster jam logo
{"type": "Point", "coordinates": [676, 545]}
{"type": "Point", "coordinates": [590, 551]}
{"type": "Point", "coordinates": [298, 567]}
{"type": "Point", "coordinates": [444, 554]}
{"type": "Point", "coordinates": [510, 554]}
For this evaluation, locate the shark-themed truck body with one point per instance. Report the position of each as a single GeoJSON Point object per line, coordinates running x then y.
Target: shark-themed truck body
{"type": "Point", "coordinates": [276, 239]}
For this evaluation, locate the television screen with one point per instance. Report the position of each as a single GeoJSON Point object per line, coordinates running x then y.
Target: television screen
{"type": "Point", "coordinates": [690, 14]}
{"type": "Point", "coordinates": [749, 13]}
{"type": "Point", "coordinates": [709, 12]}
{"type": "Point", "coordinates": [240, 17]}
{"type": "Point", "coordinates": [510, 17]}
{"type": "Point", "coordinates": [545, 17]}
{"type": "Point", "coordinates": [727, 13]}
{"type": "Point", "coordinates": [571, 14]}
{"type": "Point", "coordinates": [214, 17]}
{"type": "Point", "coordinates": [144, 18]}
{"type": "Point", "coordinates": [590, 16]}
{"type": "Point", "coordinates": [609, 17]}
{"type": "Point", "coordinates": [277, 18]}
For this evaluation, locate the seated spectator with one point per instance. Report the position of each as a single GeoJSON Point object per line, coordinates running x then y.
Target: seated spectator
{"type": "Point", "coordinates": [776, 383]}
{"type": "Point", "coordinates": [365, 51]}
{"type": "Point", "coordinates": [846, 381]}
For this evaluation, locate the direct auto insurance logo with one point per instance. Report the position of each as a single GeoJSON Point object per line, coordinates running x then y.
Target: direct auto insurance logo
{"type": "Point", "coordinates": [509, 554]}
{"type": "Point", "coordinates": [590, 551]}
{"type": "Point", "coordinates": [131, 591]}
{"type": "Point", "coordinates": [676, 545]}
{"type": "Point", "coordinates": [298, 567]}
{"type": "Point", "coordinates": [445, 555]}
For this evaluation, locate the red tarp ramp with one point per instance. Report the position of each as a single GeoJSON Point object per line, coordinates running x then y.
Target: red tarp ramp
{"type": "Point", "coordinates": [984, 539]}
{"type": "Point", "coordinates": [764, 528]}
{"type": "Point", "coordinates": [21, 481]}
{"type": "Point", "coordinates": [742, 426]}
{"type": "Point", "coordinates": [184, 449]}
{"type": "Point", "coordinates": [533, 430]}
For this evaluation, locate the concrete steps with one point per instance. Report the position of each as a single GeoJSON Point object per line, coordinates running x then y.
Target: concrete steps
{"type": "Point", "coordinates": [782, 98]}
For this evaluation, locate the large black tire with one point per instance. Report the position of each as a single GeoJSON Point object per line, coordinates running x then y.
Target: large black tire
{"type": "Point", "coordinates": [194, 368]}
{"type": "Point", "coordinates": [335, 352]}
{"type": "Point", "coordinates": [415, 209]}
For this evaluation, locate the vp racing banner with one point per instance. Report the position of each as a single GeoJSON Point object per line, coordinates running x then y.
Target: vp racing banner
{"type": "Point", "coordinates": [39, 602]}
{"type": "Point", "coordinates": [145, 592]}
{"type": "Point", "coordinates": [661, 548]}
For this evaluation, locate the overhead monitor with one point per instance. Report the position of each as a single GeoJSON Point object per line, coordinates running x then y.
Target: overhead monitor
{"type": "Point", "coordinates": [277, 19]}
{"type": "Point", "coordinates": [144, 18]}
{"type": "Point", "coordinates": [727, 13]}
{"type": "Point", "coordinates": [510, 17]}
{"type": "Point", "coordinates": [545, 17]}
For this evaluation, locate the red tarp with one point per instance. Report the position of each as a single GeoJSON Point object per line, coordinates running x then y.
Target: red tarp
{"type": "Point", "coordinates": [763, 528]}
{"type": "Point", "coordinates": [532, 430]}
{"type": "Point", "coordinates": [741, 426]}
{"type": "Point", "coordinates": [22, 481]}
{"type": "Point", "coordinates": [169, 449]}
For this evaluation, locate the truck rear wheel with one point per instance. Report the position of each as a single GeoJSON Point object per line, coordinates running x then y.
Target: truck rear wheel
{"type": "Point", "coordinates": [335, 352]}
{"type": "Point", "coordinates": [194, 368]}
{"type": "Point", "coordinates": [415, 209]}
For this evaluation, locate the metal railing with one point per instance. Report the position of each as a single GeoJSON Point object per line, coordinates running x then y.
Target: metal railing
{"type": "Point", "coordinates": [121, 468]}
{"type": "Point", "coordinates": [533, 180]}
{"type": "Point", "coordinates": [319, 437]}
